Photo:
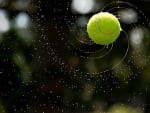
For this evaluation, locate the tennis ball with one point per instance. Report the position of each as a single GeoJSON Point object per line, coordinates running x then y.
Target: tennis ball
{"type": "Point", "coordinates": [103, 28]}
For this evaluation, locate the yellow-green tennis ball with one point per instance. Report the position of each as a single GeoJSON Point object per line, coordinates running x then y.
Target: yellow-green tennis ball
{"type": "Point", "coordinates": [103, 28]}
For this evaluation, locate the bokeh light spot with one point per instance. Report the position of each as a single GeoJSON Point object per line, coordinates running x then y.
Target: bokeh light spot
{"type": "Point", "coordinates": [4, 22]}
{"type": "Point", "coordinates": [128, 16]}
{"type": "Point", "coordinates": [22, 20]}
{"type": "Point", "coordinates": [83, 6]}
{"type": "Point", "coordinates": [136, 36]}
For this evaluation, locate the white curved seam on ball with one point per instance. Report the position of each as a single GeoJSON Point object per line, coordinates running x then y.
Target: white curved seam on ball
{"type": "Point", "coordinates": [98, 28]}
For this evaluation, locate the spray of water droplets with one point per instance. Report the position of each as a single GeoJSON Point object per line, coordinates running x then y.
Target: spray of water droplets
{"type": "Point", "coordinates": [83, 56]}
